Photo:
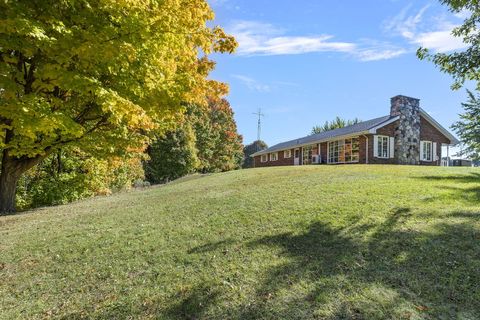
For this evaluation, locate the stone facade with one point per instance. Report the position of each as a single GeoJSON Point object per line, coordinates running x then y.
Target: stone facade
{"type": "Point", "coordinates": [407, 132]}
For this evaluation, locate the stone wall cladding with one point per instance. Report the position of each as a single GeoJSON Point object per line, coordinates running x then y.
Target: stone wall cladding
{"type": "Point", "coordinates": [280, 162]}
{"type": "Point", "coordinates": [407, 132]}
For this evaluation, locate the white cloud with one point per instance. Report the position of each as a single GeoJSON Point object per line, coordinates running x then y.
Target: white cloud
{"type": "Point", "coordinates": [251, 83]}
{"type": "Point", "coordinates": [435, 33]}
{"type": "Point", "coordinates": [406, 25]}
{"type": "Point", "coordinates": [379, 54]}
{"type": "Point", "coordinates": [257, 38]}
{"type": "Point", "coordinates": [439, 41]}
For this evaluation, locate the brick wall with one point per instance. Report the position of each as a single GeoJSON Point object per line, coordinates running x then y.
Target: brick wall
{"type": "Point", "coordinates": [427, 133]}
{"type": "Point", "coordinates": [388, 130]}
{"type": "Point", "coordinates": [282, 161]}
{"type": "Point", "coordinates": [430, 133]}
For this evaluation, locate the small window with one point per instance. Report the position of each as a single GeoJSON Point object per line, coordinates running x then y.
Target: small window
{"type": "Point", "coordinates": [426, 150]}
{"type": "Point", "coordinates": [274, 156]}
{"type": "Point", "coordinates": [287, 153]}
{"type": "Point", "coordinates": [382, 146]}
{"type": "Point", "coordinates": [263, 158]}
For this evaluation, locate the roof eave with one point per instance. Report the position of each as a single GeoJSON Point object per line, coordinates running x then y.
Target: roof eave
{"type": "Point", "coordinates": [453, 141]}
{"type": "Point", "coordinates": [346, 136]}
{"type": "Point", "coordinates": [383, 124]}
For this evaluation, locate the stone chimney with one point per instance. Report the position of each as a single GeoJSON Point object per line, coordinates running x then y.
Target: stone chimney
{"type": "Point", "coordinates": [407, 133]}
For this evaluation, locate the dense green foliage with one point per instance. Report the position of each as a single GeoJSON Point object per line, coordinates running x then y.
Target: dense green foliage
{"type": "Point", "coordinates": [218, 142]}
{"type": "Point", "coordinates": [468, 128]}
{"type": "Point", "coordinates": [308, 242]}
{"type": "Point", "coordinates": [250, 149]}
{"type": "Point", "coordinates": [208, 141]}
{"type": "Point", "coordinates": [98, 75]}
{"type": "Point", "coordinates": [335, 124]}
{"type": "Point", "coordinates": [172, 155]}
{"type": "Point", "coordinates": [463, 65]}
{"type": "Point", "coordinates": [69, 175]}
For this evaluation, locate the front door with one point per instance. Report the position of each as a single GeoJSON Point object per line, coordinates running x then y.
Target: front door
{"type": "Point", "coordinates": [296, 158]}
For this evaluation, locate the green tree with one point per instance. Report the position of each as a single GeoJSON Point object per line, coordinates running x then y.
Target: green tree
{"type": "Point", "coordinates": [172, 156]}
{"type": "Point", "coordinates": [68, 174]}
{"type": "Point", "coordinates": [100, 75]}
{"type": "Point", "coordinates": [250, 149]}
{"type": "Point", "coordinates": [218, 143]}
{"type": "Point", "coordinates": [468, 128]}
{"type": "Point", "coordinates": [228, 147]}
{"type": "Point", "coordinates": [335, 124]}
{"type": "Point", "coordinates": [463, 65]}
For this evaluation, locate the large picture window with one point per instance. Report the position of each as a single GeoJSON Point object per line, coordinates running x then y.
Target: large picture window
{"type": "Point", "coordinates": [343, 151]}
{"type": "Point", "coordinates": [274, 156]}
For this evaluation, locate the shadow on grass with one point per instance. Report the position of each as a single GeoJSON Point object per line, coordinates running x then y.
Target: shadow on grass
{"type": "Point", "coordinates": [470, 193]}
{"type": "Point", "coordinates": [397, 273]}
{"type": "Point", "coordinates": [327, 272]}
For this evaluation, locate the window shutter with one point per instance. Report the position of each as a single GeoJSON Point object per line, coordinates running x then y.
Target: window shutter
{"type": "Point", "coordinates": [319, 153]}
{"type": "Point", "coordinates": [434, 152]}
{"type": "Point", "coordinates": [421, 150]}
{"type": "Point", "coordinates": [392, 147]}
{"type": "Point", "coordinates": [375, 146]}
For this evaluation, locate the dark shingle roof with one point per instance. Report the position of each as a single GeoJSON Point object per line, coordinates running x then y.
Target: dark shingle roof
{"type": "Point", "coordinates": [355, 128]}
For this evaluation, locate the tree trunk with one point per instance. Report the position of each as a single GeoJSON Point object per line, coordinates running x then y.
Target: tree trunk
{"type": "Point", "coordinates": [12, 170]}
{"type": "Point", "coordinates": [8, 184]}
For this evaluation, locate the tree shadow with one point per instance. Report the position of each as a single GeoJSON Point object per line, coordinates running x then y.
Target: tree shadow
{"type": "Point", "coordinates": [211, 246]}
{"type": "Point", "coordinates": [397, 273]}
{"type": "Point", "coordinates": [194, 304]}
{"type": "Point", "coordinates": [470, 193]}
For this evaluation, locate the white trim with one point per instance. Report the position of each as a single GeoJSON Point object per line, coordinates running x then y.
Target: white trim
{"type": "Point", "coordinates": [381, 125]}
{"type": "Point", "coordinates": [262, 159]}
{"type": "Point", "coordinates": [422, 149]}
{"type": "Point", "coordinates": [337, 140]}
{"type": "Point", "coordinates": [375, 146]}
{"type": "Point", "coordinates": [438, 126]}
{"type": "Point", "coordinates": [289, 153]}
{"type": "Point", "coordinates": [276, 156]}
{"type": "Point", "coordinates": [351, 135]}
{"type": "Point", "coordinates": [366, 149]}
{"type": "Point", "coordinates": [392, 147]}
{"type": "Point", "coordinates": [434, 152]}
{"type": "Point", "coordinates": [319, 146]}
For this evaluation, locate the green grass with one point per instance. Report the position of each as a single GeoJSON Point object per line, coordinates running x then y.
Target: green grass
{"type": "Point", "coordinates": [312, 242]}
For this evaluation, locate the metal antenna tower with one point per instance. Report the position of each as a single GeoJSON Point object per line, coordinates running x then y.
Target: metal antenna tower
{"type": "Point", "coordinates": [259, 128]}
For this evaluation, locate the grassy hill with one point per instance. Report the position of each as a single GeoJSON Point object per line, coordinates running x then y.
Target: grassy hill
{"type": "Point", "coordinates": [326, 242]}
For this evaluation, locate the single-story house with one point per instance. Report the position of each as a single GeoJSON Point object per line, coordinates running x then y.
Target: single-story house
{"type": "Point", "coordinates": [408, 135]}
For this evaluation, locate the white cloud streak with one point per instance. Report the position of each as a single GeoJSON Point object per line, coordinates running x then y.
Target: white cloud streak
{"type": "Point", "coordinates": [256, 38]}
{"type": "Point", "coordinates": [435, 34]}
{"type": "Point", "coordinates": [251, 83]}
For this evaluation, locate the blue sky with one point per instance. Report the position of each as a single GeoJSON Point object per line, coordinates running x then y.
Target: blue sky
{"type": "Point", "coordinates": [305, 62]}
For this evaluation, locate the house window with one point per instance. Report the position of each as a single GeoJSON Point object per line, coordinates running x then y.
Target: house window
{"type": "Point", "coordinates": [263, 158]}
{"type": "Point", "coordinates": [426, 150]}
{"type": "Point", "coordinates": [274, 156]}
{"type": "Point", "coordinates": [343, 151]}
{"type": "Point", "coordinates": [382, 146]}
{"type": "Point", "coordinates": [287, 153]}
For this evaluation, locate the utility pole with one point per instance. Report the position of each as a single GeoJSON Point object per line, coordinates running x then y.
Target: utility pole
{"type": "Point", "coordinates": [259, 128]}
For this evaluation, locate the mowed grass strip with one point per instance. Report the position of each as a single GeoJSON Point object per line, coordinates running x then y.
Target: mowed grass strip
{"type": "Point", "coordinates": [324, 242]}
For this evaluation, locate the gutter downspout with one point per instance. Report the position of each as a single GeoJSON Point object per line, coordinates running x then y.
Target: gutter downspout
{"type": "Point", "coordinates": [366, 149]}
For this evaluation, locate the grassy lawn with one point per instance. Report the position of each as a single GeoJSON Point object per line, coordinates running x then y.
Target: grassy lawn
{"type": "Point", "coordinates": [312, 242]}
